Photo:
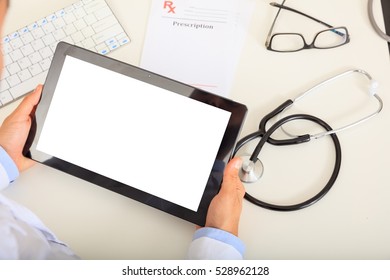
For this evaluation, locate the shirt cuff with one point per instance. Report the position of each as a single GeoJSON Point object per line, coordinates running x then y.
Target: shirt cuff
{"type": "Point", "coordinates": [9, 165]}
{"type": "Point", "coordinates": [222, 236]}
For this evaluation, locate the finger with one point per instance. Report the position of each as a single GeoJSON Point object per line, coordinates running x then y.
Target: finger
{"type": "Point", "coordinates": [232, 168]}
{"type": "Point", "coordinates": [30, 101]}
{"type": "Point", "coordinates": [231, 179]}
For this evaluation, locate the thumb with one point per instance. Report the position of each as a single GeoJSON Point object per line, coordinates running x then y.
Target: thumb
{"type": "Point", "coordinates": [29, 102]}
{"type": "Point", "coordinates": [231, 180]}
{"type": "Point", "coordinates": [232, 168]}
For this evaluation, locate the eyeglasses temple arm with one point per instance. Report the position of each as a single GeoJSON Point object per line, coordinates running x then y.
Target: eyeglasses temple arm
{"type": "Point", "coordinates": [298, 12]}
{"type": "Point", "coordinates": [267, 42]}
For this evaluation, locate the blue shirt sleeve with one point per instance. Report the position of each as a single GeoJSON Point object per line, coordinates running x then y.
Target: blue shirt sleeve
{"type": "Point", "coordinates": [222, 236]}
{"type": "Point", "coordinates": [9, 165]}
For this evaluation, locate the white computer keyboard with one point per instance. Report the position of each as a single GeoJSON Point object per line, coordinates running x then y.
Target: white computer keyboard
{"type": "Point", "coordinates": [28, 51]}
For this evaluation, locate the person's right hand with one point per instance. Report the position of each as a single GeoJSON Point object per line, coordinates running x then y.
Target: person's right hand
{"type": "Point", "coordinates": [225, 209]}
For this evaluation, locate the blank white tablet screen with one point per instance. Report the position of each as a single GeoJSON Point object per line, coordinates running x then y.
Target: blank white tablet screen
{"type": "Point", "coordinates": [138, 134]}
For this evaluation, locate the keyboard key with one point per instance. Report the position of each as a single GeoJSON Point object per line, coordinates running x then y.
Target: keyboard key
{"type": "Point", "coordinates": [13, 80]}
{"type": "Point", "coordinates": [78, 37]}
{"type": "Point", "coordinates": [13, 68]}
{"type": "Point", "coordinates": [7, 60]}
{"type": "Point", "coordinates": [37, 33]}
{"type": "Point", "coordinates": [80, 24]}
{"type": "Point", "coordinates": [123, 39]}
{"type": "Point", "coordinates": [102, 49]}
{"type": "Point", "coordinates": [69, 9]}
{"type": "Point", "coordinates": [51, 17]}
{"type": "Point", "coordinates": [7, 48]}
{"type": "Point", "coordinates": [46, 52]}
{"type": "Point", "coordinates": [5, 97]}
{"type": "Point", "coordinates": [24, 62]}
{"type": "Point", "coordinates": [33, 26]}
{"type": "Point", "coordinates": [27, 38]}
{"type": "Point", "coordinates": [88, 32]}
{"type": "Point", "coordinates": [35, 57]}
{"type": "Point", "coordinates": [59, 23]}
{"type": "Point", "coordinates": [60, 13]}
{"type": "Point", "coordinates": [111, 41]}
{"type": "Point", "coordinates": [27, 50]}
{"type": "Point", "coordinates": [6, 39]}
{"type": "Point", "coordinates": [45, 64]}
{"type": "Point", "coordinates": [94, 6]}
{"type": "Point", "coordinates": [4, 85]}
{"type": "Point", "coordinates": [14, 35]}
{"type": "Point", "coordinates": [78, 5]}
{"type": "Point", "coordinates": [48, 28]}
{"type": "Point", "coordinates": [114, 46]}
{"type": "Point", "coordinates": [69, 18]}
{"type": "Point", "coordinates": [35, 69]}
{"type": "Point", "coordinates": [23, 31]}
{"type": "Point", "coordinates": [79, 13]}
{"type": "Point", "coordinates": [70, 29]}
{"type": "Point", "coordinates": [5, 74]}
{"type": "Point", "coordinates": [24, 75]}
{"type": "Point", "coordinates": [42, 22]}
{"type": "Point", "coordinates": [103, 13]}
{"type": "Point", "coordinates": [16, 55]}
{"type": "Point", "coordinates": [104, 24]}
{"type": "Point", "coordinates": [59, 35]}
{"type": "Point", "coordinates": [107, 34]}
{"type": "Point", "coordinates": [90, 19]}
{"type": "Point", "coordinates": [16, 43]}
{"type": "Point", "coordinates": [48, 39]}
{"type": "Point", "coordinates": [88, 43]}
{"type": "Point", "coordinates": [38, 44]}
{"type": "Point", "coordinates": [53, 47]}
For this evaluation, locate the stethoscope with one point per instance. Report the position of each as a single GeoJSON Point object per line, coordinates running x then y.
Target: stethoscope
{"type": "Point", "coordinates": [373, 21]}
{"type": "Point", "coordinates": [252, 168]}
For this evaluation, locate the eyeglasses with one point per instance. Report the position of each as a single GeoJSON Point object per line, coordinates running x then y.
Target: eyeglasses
{"type": "Point", "coordinates": [291, 42]}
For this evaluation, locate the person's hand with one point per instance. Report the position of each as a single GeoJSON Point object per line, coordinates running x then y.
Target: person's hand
{"type": "Point", "coordinates": [225, 209]}
{"type": "Point", "coordinates": [15, 129]}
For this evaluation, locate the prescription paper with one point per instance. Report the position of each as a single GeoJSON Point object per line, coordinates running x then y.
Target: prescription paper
{"type": "Point", "coordinates": [197, 42]}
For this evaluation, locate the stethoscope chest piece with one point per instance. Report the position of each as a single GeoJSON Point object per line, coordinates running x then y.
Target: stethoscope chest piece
{"type": "Point", "coordinates": [250, 171]}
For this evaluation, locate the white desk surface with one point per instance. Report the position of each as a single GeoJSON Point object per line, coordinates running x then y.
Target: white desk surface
{"type": "Point", "coordinates": [350, 222]}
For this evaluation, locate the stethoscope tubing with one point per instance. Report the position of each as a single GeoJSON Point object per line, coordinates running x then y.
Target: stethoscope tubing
{"type": "Point", "coordinates": [373, 22]}
{"type": "Point", "coordinates": [265, 136]}
{"type": "Point", "coordinates": [372, 91]}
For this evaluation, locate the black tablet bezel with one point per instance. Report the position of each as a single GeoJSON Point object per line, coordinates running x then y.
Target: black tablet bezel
{"type": "Point", "coordinates": [238, 112]}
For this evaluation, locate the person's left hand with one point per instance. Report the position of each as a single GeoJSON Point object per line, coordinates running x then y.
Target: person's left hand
{"type": "Point", "coordinates": [15, 129]}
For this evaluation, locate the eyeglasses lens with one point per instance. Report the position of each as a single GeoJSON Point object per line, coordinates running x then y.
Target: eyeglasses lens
{"type": "Point", "coordinates": [287, 42]}
{"type": "Point", "coordinates": [331, 38]}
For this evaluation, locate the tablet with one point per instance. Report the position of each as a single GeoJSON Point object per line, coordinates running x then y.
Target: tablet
{"type": "Point", "coordinates": [134, 132]}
